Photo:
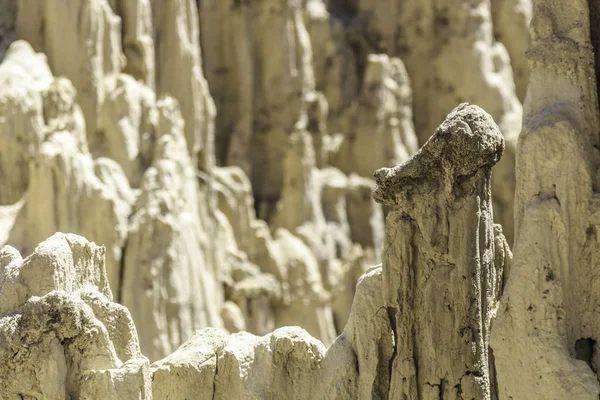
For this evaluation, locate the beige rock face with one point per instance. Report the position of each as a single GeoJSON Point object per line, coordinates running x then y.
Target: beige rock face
{"type": "Point", "coordinates": [108, 130]}
{"type": "Point", "coordinates": [451, 56]}
{"type": "Point", "coordinates": [259, 62]}
{"type": "Point", "coordinates": [548, 308]}
{"type": "Point", "coordinates": [25, 76]}
{"type": "Point", "coordinates": [61, 335]}
{"type": "Point", "coordinates": [58, 176]}
{"type": "Point", "coordinates": [369, 359]}
{"type": "Point", "coordinates": [440, 292]}
{"type": "Point", "coordinates": [179, 74]}
{"type": "Point", "coordinates": [82, 41]}
{"type": "Point", "coordinates": [58, 300]}
{"type": "Point", "coordinates": [137, 40]}
{"type": "Point", "coordinates": [212, 365]}
{"type": "Point", "coordinates": [98, 155]}
{"type": "Point", "coordinates": [167, 281]}
{"type": "Point", "coordinates": [127, 122]}
{"type": "Point", "coordinates": [377, 127]}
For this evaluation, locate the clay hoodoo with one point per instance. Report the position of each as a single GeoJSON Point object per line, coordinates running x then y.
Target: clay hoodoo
{"type": "Point", "coordinates": [441, 282]}
{"type": "Point", "coordinates": [544, 339]}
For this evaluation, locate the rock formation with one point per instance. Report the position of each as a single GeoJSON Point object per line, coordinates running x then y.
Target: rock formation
{"type": "Point", "coordinates": [95, 133]}
{"type": "Point", "coordinates": [548, 309]}
{"type": "Point", "coordinates": [218, 158]}
{"type": "Point", "coordinates": [58, 301]}
{"type": "Point", "coordinates": [450, 54]}
{"type": "Point", "coordinates": [440, 280]}
{"type": "Point", "coordinates": [61, 335]}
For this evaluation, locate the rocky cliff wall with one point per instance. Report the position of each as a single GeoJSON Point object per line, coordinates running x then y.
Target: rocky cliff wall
{"type": "Point", "coordinates": [220, 156]}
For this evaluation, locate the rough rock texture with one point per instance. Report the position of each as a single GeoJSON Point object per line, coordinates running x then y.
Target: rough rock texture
{"type": "Point", "coordinates": [441, 284]}
{"type": "Point", "coordinates": [377, 126]}
{"type": "Point", "coordinates": [378, 353]}
{"type": "Point", "coordinates": [167, 280]}
{"type": "Point", "coordinates": [549, 307]}
{"type": "Point", "coordinates": [178, 49]}
{"type": "Point", "coordinates": [222, 153]}
{"type": "Point", "coordinates": [213, 365]}
{"type": "Point", "coordinates": [511, 20]}
{"type": "Point", "coordinates": [61, 336]}
{"type": "Point", "coordinates": [82, 41]}
{"type": "Point", "coordinates": [94, 135]}
{"type": "Point", "coordinates": [46, 147]}
{"type": "Point", "coordinates": [25, 76]}
{"type": "Point", "coordinates": [58, 299]}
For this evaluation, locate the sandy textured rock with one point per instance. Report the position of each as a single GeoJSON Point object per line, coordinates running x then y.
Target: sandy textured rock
{"type": "Point", "coordinates": [308, 301]}
{"type": "Point", "coordinates": [261, 80]}
{"type": "Point", "coordinates": [282, 364]}
{"type": "Point", "coordinates": [64, 187]}
{"type": "Point", "coordinates": [334, 61]}
{"type": "Point", "coordinates": [440, 291]}
{"type": "Point", "coordinates": [179, 74]}
{"type": "Point", "coordinates": [212, 365]}
{"type": "Point", "coordinates": [233, 318]}
{"type": "Point", "coordinates": [377, 126]}
{"type": "Point", "coordinates": [127, 124]}
{"type": "Point", "coordinates": [300, 210]}
{"type": "Point", "coordinates": [57, 337]}
{"type": "Point", "coordinates": [90, 344]}
{"type": "Point", "coordinates": [548, 309]}
{"type": "Point", "coordinates": [137, 38]}
{"type": "Point", "coordinates": [47, 150]}
{"type": "Point", "coordinates": [168, 284]}
{"type": "Point", "coordinates": [82, 41]}
{"type": "Point", "coordinates": [24, 76]}
{"type": "Point", "coordinates": [256, 294]}
{"type": "Point", "coordinates": [365, 217]}
{"type": "Point", "coordinates": [190, 371]}
{"type": "Point", "coordinates": [310, 97]}
{"type": "Point", "coordinates": [451, 56]}
{"type": "Point", "coordinates": [234, 192]}
{"type": "Point", "coordinates": [356, 366]}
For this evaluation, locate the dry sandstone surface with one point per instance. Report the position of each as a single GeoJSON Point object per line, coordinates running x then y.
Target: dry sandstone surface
{"type": "Point", "coordinates": [299, 199]}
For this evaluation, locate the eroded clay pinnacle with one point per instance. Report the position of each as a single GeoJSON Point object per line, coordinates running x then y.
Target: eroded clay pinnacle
{"type": "Point", "coordinates": [465, 142]}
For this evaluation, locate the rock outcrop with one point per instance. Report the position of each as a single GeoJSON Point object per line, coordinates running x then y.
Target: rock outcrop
{"type": "Point", "coordinates": [58, 300]}
{"type": "Point", "coordinates": [168, 282]}
{"type": "Point", "coordinates": [220, 153]}
{"type": "Point", "coordinates": [94, 135]}
{"type": "Point", "coordinates": [544, 339]}
{"type": "Point", "coordinates": [451, 55]}
{"type": "Point", "coordinates": [440, 280]}
{"type": "Point", "coordinates": [61, 335]}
